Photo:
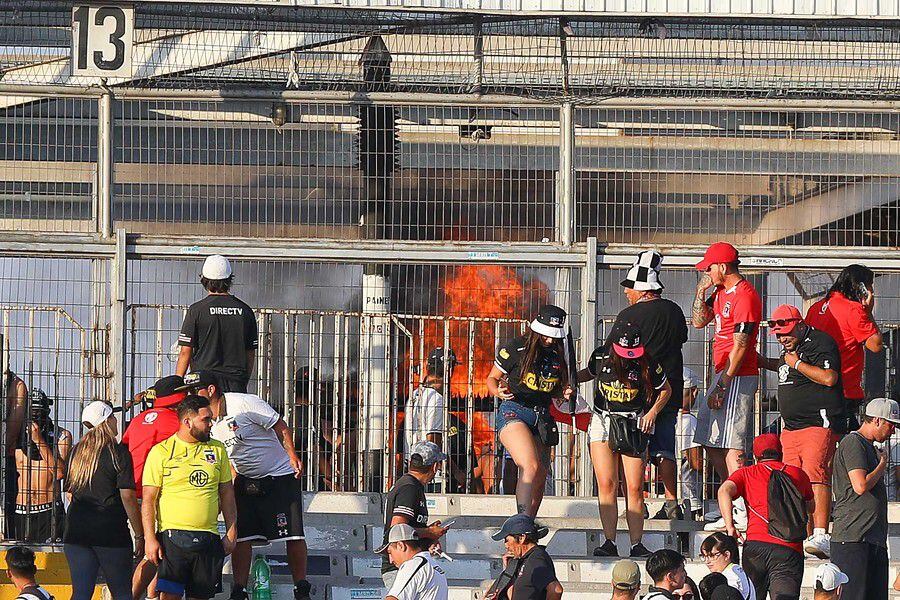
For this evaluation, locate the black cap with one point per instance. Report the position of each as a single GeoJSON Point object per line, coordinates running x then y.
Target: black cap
{"type": "Point", "coordinates": [627, 341]}
{"type": "Point", "coordinates": [551, 321]}
{"type": "Point", "coordinates": [167, 386]}
{"type": "Point", "coordinates": [520, 524]}
{"type": "Point", "coordinates": [198, 380]}
{"type": "Point", "coordinates": [436, 360]}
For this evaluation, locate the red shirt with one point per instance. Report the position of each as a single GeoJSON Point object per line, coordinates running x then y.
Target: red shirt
{"type": "Point", "coordinates": [850, 326]}
{"type": "Point", "coordinates": [145, 431]}
{"type": "Point", "coordinates": [734, 306]}
{"type": "Point", "coordinates": [753, 485]}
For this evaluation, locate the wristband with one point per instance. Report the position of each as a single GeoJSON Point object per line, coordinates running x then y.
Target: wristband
{"type": "Point", "coordinates": [796, 366]}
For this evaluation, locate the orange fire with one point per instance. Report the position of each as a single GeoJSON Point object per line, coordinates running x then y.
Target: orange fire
{"type": "Point", "coordinates": [486, 291]}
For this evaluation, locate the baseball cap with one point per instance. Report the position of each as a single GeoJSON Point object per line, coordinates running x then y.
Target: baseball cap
{"type": "Point", "coordinates": [198, 380]}
{"type": "Point", "coordinates": [436, 360]}
{"type": "Point", "coordinates": [691, 379]}
{"type": "Point", "coordinates": [96, 412]}
{"type": "Point", "coordinates": [628, 343]}
{"type": "Point", "coordinates": [402, 532]}
{"type": "Point", "coordinates": [784, 319]}
{"type": "Point", "coordinates": [884, 408]}
{"type": "Point", "coordinates": [720, 252]}
{"type": "Point", "coordinates": [551, 321]}
{"type": "Point", "coordinates": [426, 453]}
{"type": "Point", "coordinates": [830, 576]}
{"type": "Point", "coordinates": [216, 267]}
{"type": "Point", "coordinates": [519, 524]}
{"type": "Point", "coordinates": [626, 575]}
{"type": "Point", "coordinates": [766, 442]}
{"type": "Point", "coordinates": [165, 392]}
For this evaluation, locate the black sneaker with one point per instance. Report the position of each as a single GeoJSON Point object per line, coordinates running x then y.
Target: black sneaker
{"type": "Point", "coordinates": [670, 510]}
{"type": "Point", "coordinates": [639, 551]}
{"type": "Point", "coordinates": [607, 549]}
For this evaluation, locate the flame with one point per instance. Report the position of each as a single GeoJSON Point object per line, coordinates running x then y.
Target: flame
{"type": "Point", "coordinates": [485, 291]}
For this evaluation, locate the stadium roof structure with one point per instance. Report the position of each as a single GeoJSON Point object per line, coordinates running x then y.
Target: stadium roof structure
{"type": "Point", "coordinates": [451, 49]}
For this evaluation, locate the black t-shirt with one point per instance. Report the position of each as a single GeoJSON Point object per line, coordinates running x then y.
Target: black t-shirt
{"type": "Point", "coordinates": [617, 396]}
{"type": "Point", "coordinates": [220, 329]}
{"type": "Point", "coordinates": [858, 518]}
{"type": "Point", "coordinates": [536, 572]}
{"type": "Point", "coordinates": [541, 383]}
{"type": "Point", "coordinates": [96, 515]}
{"type": "Point", "coordinates": [406, 499]}
{"type": "Point", "coordinates": [663, 331]}
{"type": "Point", "coordinates": [803, 402]}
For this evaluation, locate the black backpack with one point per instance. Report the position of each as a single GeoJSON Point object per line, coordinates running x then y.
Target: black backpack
{"type": "Point", "coordinates": [787, 508]}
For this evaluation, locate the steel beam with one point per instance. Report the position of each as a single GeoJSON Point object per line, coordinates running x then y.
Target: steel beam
{"type": "Point", "coordinates": [104, 186]}
{"type": "Point", "coordinates": [565, 197]}
{"type": "Point", "coordinates": [118, 286]}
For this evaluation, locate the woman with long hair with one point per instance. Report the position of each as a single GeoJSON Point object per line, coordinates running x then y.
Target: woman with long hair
{"type": "Point", "coordinates": [846, 313]}
{"type": "Point", "coordinates": [528, 372]}
{"type": "Point", "coordinates": [101, 489]}
{"type": "Point", "coordinates": [631, 390]}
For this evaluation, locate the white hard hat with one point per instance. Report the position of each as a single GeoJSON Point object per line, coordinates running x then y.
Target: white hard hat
{"type": "Point", "coordinates": [216, 267]}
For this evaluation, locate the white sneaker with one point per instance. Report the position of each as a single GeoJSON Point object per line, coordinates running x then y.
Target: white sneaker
{"type": "Point", "coordinates": [740, 522]}
{"type": "Point", "coordinates": [712, 515]}
{"type": "Point", "coordinates": [819, 545]}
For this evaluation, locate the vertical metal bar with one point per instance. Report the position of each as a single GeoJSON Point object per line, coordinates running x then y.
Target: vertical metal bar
{"type": "Point", "coordinates": [345, 407]}
{"type": "Point", "coordinates": [318, 407]}
{"type": "Point", "coordinates": [117, 322]}
{"type": "Point", "coordinates": [470, 400]}
{"type": "Point", "coordinates": [159, 341]}
{"type": "Point", "coordinates": [104, 164]}
{"type": "Point", "coordinates": [565, 194]}
{"type": "Point", "coordinates": [447, 391]}
{"type": "Point", "coordinates": [288, 406]}
{"type": "Point", "coordinates": [312, 389]}
{"type": "Point", "coordinates": [588, 333]}
{"type": "Point", "coordinates": [333, 398]}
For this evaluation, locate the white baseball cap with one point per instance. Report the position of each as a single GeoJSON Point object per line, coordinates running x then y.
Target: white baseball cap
{"type": "Point", "coordinates": [830, 576]}
{"type": "Point", "coordinates": [96, 413]}
{"type": "Point", "coordinates": [884, 408]}
{"type": "Point", "coordinates": [401, 532]}
{"type": "Point", "coordinates": [216, 267]}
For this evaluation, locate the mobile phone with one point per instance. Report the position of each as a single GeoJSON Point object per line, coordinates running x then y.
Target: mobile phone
{"type": "Point", "coordinates": [448, 522]}
{"type": "Point", "coordinates": [863, 290]}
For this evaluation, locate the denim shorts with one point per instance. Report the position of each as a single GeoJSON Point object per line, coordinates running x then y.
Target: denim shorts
{"type": "Point", "coordinates": [662, 442]}
{"type": "Point", "coordinates": [511, 411]}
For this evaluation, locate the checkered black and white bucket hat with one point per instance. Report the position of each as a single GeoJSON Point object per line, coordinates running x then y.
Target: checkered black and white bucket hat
{"type": "Point", "coordinates": [643, 275]}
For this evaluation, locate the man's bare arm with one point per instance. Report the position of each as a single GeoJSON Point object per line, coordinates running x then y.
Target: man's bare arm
{"type": "Point", "coordinates": [184, 360]}
{"type": "Point", "coordinates": [701, 312]}
{"type": "Point", "coordinates": [737, 354]}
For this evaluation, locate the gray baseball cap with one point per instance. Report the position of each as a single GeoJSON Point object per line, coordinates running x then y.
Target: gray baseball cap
{"type": "Point", "coordinates": [884, 408]}
{"type": "Point", "coordinates": [520, 524]}
{"type": "Point", "coordinates": [399, 533]}
{"type": "Point", "coordinates": [428, 453]}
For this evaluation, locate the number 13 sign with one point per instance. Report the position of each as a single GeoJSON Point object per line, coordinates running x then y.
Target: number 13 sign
{"type": "Point", "coordinates": [101, 40]}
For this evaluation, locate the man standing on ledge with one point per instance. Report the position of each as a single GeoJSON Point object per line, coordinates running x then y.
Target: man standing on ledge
{"type": "Point", "coordinates": [219, 333]}
{"type": "Point", "coordinates": [725, 418]}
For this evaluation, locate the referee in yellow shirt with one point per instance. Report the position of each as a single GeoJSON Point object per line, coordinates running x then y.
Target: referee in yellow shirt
{"type": "Point", "coordinates": [187, 481]}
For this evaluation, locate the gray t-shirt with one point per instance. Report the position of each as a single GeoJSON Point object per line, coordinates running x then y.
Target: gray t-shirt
{"type": "Point", "coordinates": [858, 518]}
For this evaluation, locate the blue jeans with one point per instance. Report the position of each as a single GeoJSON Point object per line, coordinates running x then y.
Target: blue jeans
{"type": "Point", "coordinates": [86, 561]}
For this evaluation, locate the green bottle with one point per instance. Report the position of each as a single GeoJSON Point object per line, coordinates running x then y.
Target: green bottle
{"type": "Point", "coordinates": [260, 579]}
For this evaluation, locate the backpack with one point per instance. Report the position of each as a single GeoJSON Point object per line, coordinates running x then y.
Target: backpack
{"type": "Point", "coordinates": [787, 509]}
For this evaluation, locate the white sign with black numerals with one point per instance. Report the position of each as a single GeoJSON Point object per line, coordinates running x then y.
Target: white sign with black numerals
{"type": "Point", "coordinates": [102, 36]}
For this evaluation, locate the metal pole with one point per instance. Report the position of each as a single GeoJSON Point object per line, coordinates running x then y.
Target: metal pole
{"type": "Point", "coordinates": [565, 197]}
{"type": "Point", "coordinates": [584, 486]}
{"type": "Point", "coordinates": [104, 165]}
{"type": "Point", "coordinates": [117, 322]}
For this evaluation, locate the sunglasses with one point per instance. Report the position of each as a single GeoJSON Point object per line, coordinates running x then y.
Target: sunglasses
{"type": "Point", "coordinates": [782, 322]}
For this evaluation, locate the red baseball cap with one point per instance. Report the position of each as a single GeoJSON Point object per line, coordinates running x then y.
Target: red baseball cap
{"type": "Point", "coordinates": [784, 319]}
{"type": "Point", "coordinates": [766, 442]}
{"type": "Point", "coordinates": [720, 252]}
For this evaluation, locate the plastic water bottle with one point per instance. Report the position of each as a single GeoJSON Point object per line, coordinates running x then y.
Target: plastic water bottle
{"type": "Point", "coordinates": [260, 579]}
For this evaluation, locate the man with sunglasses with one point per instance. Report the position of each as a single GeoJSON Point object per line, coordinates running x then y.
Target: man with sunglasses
{"type": "Point", "coordinates": [812, 407]}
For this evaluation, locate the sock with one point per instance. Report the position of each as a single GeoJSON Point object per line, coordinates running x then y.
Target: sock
{"type": "Point", "coordinates": [819, 530]}
{"type": "Point", "coordinates": [302, 589]}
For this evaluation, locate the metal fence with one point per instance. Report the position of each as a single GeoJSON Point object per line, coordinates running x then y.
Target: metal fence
{"type": "Point", "coordinates": [462, 168]}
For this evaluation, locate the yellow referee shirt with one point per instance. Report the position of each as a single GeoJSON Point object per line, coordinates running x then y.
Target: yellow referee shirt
{"type": "Point", "coordinates": [188, 478]}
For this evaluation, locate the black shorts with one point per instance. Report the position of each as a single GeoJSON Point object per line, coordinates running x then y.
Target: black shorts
{"type": "Point", "coordinates": [232, 383]}
{"type": "Point", "coordinates": [269, 509]}
{"type": "Point", "coordinates": [39, 523]}
{"type": "Point", "coordinates": [192, 563]}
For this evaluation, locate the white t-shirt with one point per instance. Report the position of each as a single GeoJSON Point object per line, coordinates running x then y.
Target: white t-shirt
{"type": "Point", "coordinates": [424, 415]}
{"type": "Point", "coordinates": [420, 578]}
{"type": "Point", "coordinates": [246, 431]}
{"type": "Point", "coordinates": [738, 579]}
{"type": "Point", "coordinates": [684, 432]}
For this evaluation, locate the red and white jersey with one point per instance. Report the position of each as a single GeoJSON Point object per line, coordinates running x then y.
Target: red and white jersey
{"type": "Point", "coordinates": [736, 307]}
